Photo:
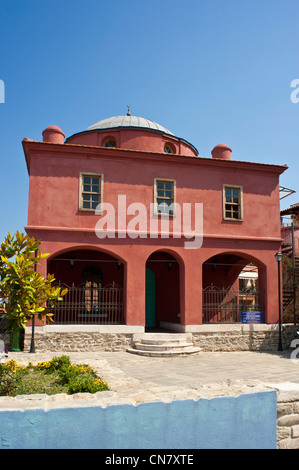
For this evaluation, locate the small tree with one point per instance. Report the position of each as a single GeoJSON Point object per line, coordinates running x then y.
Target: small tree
{"type": "Point", "coordinates": [26, 292]}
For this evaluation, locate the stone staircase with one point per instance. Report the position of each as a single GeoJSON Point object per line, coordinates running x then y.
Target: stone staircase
{"type": "Point", "coordinates": [288, 296]}
{"type": "Point", "coordinates": [163, 344]}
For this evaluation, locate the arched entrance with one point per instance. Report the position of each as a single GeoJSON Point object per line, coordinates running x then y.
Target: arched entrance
{"type": "Point", "coordinates": [232, 290]}
{"type": "Point", "coordinates": [95, 283]}
{"type": "Point", "coordinates": [162, 290]}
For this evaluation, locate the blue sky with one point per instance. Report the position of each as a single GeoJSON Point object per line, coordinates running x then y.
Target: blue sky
{"type": "Point", "coordinates": [211, 71]}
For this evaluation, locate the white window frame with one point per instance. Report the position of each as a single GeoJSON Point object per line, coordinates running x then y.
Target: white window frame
{"type": "Point", "coordinates": [168, 180]}
{"type": "Point", "coordinates": [240, 188]}
{"type": "Point", "coordinates": [87, 173]}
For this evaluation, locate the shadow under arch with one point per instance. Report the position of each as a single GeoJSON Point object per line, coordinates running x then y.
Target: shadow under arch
{"type": "Point", "coordinates": [86, 248]}
{"type": "Point", "coordinates": [240, 254]}
{"type": "Point", "coordinates": [95, 280]}
{"type": "Point", "coordinates": [232, 281]}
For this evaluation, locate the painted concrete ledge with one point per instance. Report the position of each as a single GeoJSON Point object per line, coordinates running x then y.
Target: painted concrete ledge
{"type": "Point", "coordinates": [175, 327]}
{"type": "Point", "coordinates": [113, 329]}
{"type": "Point", "coordinates": [247, 421]}
{"type": "Point", "coordinates": [221, 328]}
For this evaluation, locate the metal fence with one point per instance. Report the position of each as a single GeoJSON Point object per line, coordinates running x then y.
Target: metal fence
{"type": "Point", "coordinates": [90, 303]}
{"type": "Point", "coordinates": [225, 305]}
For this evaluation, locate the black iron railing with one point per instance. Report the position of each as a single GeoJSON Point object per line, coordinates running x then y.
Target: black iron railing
{"type": "Point", "coordinates": [90, 303]}
{"type": "Point", "coordinates": [225, 305]}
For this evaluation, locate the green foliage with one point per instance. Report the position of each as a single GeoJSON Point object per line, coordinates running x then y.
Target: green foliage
{"type": "Point", "coordinates": [10, 375]}
{"type": "Point", "coordinates": [55, 376]}
{"type": "Point", "coordinates": [76, 377]}
{"type": "Point", "coordinates": [26, 291]}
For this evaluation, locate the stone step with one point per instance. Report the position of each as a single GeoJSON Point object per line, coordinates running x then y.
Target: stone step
{"type": "Point", "coordinates": [163, 336]}
{"type": "Point", "coordinates": [162, 346]}
{"type": "Point", "coordinates": [162, 341]}
{"type": "Point", "coordinates": [155, 338]}
{"type": "Point", "coordinates": [170, 353]}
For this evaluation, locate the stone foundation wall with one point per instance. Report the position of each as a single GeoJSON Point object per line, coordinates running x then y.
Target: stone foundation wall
{"type": "Point", "coordinates": [288, 416]}
{"type": "Point", "coordinates": [79, 341]}
{"type": "Point", "coordinates": [241, 339]}
{"type": "Point", "coordinates": [214, 338]}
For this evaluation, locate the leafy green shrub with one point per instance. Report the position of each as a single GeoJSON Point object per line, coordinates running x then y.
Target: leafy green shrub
{"type": "Point", "coordinates": [77, 377]}
{"type": "Point", "coordinates": [79, 383]}
{"type": "Point", "coordinates": [7, 383]}
{"type": "Point", "coordinates": [26, 292]}
{"type": "Point", "coordinates": [67, 377]}
{"type": "Point", "coordinates": [55, 364]}
{"type": "Point", "coordinates": [10, 374]}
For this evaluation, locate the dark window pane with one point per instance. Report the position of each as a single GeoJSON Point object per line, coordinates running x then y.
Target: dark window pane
{"type": "Point", "coordinates": [110, 143]}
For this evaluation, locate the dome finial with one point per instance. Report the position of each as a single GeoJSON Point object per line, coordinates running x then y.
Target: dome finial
{"type": "Point", "coordinates": [128, 113]}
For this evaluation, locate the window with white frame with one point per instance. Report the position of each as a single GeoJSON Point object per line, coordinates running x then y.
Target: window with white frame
{"type": "Point", "coordinates": [164, 196]}
{"type": "Point", "coordinates": [90, 191]}
{"type": "Point", "coordinates": [232, 202]}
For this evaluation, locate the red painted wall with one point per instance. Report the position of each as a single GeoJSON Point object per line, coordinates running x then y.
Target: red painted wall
{"type": "Point", "coordinates": [53, 214]}
{"type": "Point", "coordinates": [132, 139]}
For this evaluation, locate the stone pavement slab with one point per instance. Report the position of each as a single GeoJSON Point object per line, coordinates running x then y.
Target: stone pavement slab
{"type": "Point", "coordinates": [205, 367]}
{"type": "Point", "coordinates": [134, 379]}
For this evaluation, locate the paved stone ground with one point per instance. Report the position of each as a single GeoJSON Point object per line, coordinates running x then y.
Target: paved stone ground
{"type": "Point", "coordinates": [133, 379]}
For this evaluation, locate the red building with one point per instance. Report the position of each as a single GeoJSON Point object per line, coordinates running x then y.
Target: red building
{"type": "Point", "coordinates": [145, 233]}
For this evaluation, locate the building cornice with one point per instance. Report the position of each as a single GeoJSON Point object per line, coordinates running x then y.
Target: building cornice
{"type": "Point", "coordinates": [148, 234]}
{"type": "Point", "coordinates": [71, 150]}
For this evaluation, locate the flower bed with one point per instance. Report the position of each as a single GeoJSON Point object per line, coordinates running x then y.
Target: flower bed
{"type": "Point", "coordinates": [50, 377]}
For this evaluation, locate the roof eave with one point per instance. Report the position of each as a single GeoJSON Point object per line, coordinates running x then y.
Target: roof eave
{"type": "Point", "coordinates": [169, 157]}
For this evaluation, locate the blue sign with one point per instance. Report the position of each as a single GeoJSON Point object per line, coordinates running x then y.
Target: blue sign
{"type": "Point", "coordinates": [252, 317]}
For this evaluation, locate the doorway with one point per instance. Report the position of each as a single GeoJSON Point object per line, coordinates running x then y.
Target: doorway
{"type": "Point", "coordinates": [150, 299]}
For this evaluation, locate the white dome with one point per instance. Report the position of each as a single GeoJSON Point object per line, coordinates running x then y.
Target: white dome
{"type": "Point", "coordinates": [128, 121]}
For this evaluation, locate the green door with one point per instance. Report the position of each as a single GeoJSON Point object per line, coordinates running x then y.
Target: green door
{"type": "Point", "coordinates": [150, 298]}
